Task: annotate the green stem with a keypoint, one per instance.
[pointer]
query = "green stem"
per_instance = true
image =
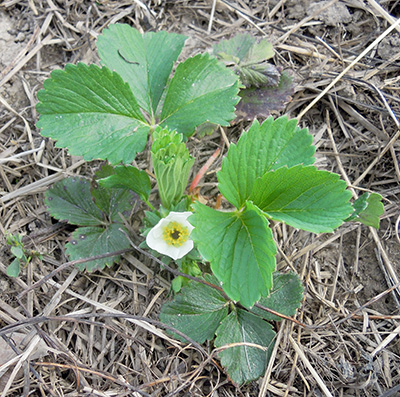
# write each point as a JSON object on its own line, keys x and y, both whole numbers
{"x": 150, "y": 205}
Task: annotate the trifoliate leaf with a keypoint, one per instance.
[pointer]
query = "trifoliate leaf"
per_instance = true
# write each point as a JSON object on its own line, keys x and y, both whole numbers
{"x": 128, "y": 177}
{"x": 143, "y": 61}
{"x": 197, "y": 311}
{"x": 86, "y": 242}
{"x": 245, "y": 363}
{"x": 285, "y": 297}
{"x": 71, "y": 200}
{"x": 240, "y": 249}
{"x": 303, "y": 197}
{"x": 249, "y": 60}
{"x": 260, "y": 102}
{"x": 92, "y": 112}
{"x": 265, "y": 147}
{"x": 201, "y": 90}
{"x": 367, "y": 210}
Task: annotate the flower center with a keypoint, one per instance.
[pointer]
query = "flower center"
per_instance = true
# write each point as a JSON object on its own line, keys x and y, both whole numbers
{"x": 175, "y": 234}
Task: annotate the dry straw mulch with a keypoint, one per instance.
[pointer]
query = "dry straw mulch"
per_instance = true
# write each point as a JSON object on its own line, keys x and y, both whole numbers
{"x": 97, "y": 334}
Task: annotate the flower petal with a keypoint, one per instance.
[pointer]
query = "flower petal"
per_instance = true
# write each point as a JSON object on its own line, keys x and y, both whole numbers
{"x": 156, "y": 241}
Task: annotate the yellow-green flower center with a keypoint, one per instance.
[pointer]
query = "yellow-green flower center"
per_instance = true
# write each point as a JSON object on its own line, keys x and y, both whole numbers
{"x": 175, "y": 234}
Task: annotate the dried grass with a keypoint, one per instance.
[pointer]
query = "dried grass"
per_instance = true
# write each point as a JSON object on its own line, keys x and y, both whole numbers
{"x": 101, "y": 329}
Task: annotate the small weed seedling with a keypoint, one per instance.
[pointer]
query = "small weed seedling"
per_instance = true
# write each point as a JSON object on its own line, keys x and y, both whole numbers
{"x": 109, "y": 112}
{"x": 22, "y": 255}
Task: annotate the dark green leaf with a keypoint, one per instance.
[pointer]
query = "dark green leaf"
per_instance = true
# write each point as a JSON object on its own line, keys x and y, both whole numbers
{"x": 196, "y": 311}
{"x": 143, "y": 61}
{"x": 87, "y": 242}
{"x": 240, "y": 249}
{"x": 93, "y": 113}
{"x": 129, "y": 177}
{"x": 71, "y": 200}
{"x": 303, "y": 197}
{"x": 201, "y": 90}
{"x": 265, "y": 147}
{"x": 285, "y": 297}
{"x": 245, "y": 363}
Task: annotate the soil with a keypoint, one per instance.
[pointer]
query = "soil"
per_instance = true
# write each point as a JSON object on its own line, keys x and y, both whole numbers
{"x": 350, "y": 345}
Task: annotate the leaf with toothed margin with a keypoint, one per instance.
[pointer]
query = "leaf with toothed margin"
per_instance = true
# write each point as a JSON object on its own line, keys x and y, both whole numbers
{"x": 71, "y": 200}
{"x": 367, "y": 210}
{"x": 98, "y": 209}
{"x": 92, "y": 112}
{"x": 196, "y": 311}
{"x": 201, "y": 90}
{"x": 244, "y": 363}
{"x": 143, "y": 61}
{"x": 239, "y": 247}
{"x": 86, "y": 242}
{"x": 264, "y": 147}
{"x": 285, "y": 297}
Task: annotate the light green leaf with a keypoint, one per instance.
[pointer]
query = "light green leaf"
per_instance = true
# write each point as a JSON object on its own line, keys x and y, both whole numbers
{"x": 201, "y": 90}
{"x": 367, "y": 210}
{"x": 265, "y": 147}
{"x": 303, "y": 197}
{"x": 93, "y": 113}
{"x": 86, "y": 242}
{"x": 258, "y": 53}
{"x": 71, "y": 200}
{"x": 240, "y": 249}
{"x": 14, "y": 268}
{"x": 17, "y": 251}
{"x": 285, "y": 297}
{"x": 143, "y": 61}
{"x": 245, "y": 363}
{"x": 128, "y": 177}
{"x": 196, "y": 311}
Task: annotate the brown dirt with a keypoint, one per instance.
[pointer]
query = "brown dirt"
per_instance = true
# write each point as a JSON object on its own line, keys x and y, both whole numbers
{"x": 345, "y": 273}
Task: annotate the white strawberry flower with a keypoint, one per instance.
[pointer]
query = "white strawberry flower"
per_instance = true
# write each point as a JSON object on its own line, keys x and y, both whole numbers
{"x": 171, "y": 235}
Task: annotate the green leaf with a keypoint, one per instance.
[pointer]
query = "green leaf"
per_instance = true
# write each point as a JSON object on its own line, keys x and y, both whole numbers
{"x": 71, "y": 200}
{"x": 285, "y": 297}
{"x": 196, "y": 311}
{"x": 86, "y": 242}
{"x": 262, "y": 101}
{"x": 240, "y": 249}
{"x": 303, "y": 197}
{"x": 201, "y": 90}
{"x": 265, "y": 147}
{"x": 17, "y": 251}
{"x": 245, "y": 363}
{"x": 249, "y": 59}
{"x": 237, "y": 47}
{"x": 143, "y": 61}
{"x": 93, "y": 113}
{"x": 259, "y": 52}
{"x": 367, "y": 210}
{"x": 14, "y": 268}
{"x": 129, "y": 177}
